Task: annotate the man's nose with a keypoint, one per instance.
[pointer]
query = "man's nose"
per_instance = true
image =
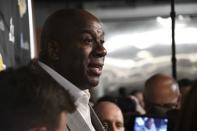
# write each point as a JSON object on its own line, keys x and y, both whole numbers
{"x": 100, "y": 50}
{"x": 114, "y": 128}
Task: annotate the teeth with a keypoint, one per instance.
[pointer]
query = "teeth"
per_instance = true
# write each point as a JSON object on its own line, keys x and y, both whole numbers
{"x": 95, "y": 68}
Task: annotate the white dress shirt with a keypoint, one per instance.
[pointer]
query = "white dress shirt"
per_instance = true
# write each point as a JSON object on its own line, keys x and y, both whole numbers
{"x": 81, "y": 97}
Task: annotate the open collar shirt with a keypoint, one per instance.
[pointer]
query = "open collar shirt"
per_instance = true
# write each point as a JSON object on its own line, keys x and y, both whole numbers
{"x": 81, "y": 97}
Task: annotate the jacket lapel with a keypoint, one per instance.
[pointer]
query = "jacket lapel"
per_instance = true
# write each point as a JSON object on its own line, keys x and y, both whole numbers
{"x": 95, "y": 120}
{"x": 76, "y": 122}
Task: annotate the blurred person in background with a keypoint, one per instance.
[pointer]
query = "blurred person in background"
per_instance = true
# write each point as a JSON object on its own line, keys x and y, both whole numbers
{"x": 185, "y": 85}
{"x": 161, "y": 94}
{"x": 162, "y": 97}
{"x": 110, "y": 115}
{"x": 130, "y": 107}
{"x": 187, "y": 116}
{"x": 139, "y": 95}
{"x": 32, "y": 101}
{"x": 122, "y": 92}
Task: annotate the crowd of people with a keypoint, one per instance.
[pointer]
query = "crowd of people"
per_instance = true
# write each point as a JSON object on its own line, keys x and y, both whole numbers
{"x": 51, "y": 93}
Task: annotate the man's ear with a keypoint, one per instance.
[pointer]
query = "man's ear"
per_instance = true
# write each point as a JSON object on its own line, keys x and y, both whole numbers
{"x": 38, "y": 129}
{"x": 53, "y": 50}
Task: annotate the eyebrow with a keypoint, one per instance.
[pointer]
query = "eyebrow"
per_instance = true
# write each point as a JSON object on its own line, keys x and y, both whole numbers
{"x": 85, "y": 30}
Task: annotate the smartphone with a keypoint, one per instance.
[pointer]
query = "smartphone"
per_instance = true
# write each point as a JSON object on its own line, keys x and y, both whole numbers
{"x": 150, "y": 123}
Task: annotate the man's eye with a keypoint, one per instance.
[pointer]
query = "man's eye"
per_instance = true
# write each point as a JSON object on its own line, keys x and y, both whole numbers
{"x": 88, "y": 40}
{"x": 119, "y": 125}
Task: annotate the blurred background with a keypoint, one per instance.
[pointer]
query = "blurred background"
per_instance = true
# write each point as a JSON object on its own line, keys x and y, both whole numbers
{"x": 138, "y": 37}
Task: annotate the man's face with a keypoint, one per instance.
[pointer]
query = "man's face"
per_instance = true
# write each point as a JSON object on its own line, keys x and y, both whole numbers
{"x": 110, "y": 115}
{"x": 82, "y": 59}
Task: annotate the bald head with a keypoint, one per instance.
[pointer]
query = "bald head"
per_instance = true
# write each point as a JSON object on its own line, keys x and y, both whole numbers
{"x": 161, "y": 89}
{"x": 111, "y": 115}
{"x": 62, "y": 25}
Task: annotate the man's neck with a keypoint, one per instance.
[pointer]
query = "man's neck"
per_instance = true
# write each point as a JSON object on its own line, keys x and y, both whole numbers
{"x": 75, "y": 91}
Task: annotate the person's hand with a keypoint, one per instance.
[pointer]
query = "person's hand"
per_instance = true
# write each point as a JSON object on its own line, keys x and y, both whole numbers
{"x": 139, "y": 108}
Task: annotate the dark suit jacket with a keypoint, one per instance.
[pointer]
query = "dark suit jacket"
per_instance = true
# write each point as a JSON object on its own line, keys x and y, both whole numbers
{"x": 75, "y": 120}
{"x": 77, "y": 123}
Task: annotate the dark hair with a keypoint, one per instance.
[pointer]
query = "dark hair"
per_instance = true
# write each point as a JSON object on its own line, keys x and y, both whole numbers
{"x": 107, "y": 98}
{"x": 185, "y": 82}
{"x": 187, "y": 118}
{"x": 30, "y": 98}
{"x": 136, "y": 91}
{"x": 126, "y": 104}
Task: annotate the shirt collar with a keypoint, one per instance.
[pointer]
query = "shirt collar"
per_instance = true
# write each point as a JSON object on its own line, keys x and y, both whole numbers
{"x": 73, "y": 90}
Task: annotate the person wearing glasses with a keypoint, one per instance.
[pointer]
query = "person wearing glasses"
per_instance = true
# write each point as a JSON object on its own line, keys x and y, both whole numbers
{"x": 161, "y": 94}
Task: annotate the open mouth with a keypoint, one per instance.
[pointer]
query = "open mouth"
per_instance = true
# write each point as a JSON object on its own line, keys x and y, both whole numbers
{"x": 95, "y": 69}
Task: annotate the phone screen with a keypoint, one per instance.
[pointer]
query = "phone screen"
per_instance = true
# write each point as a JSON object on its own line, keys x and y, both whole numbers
{"x": 149, "y": 123}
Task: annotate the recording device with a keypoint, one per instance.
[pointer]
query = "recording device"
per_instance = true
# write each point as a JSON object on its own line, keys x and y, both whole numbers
{"x": 150, "y": 123}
